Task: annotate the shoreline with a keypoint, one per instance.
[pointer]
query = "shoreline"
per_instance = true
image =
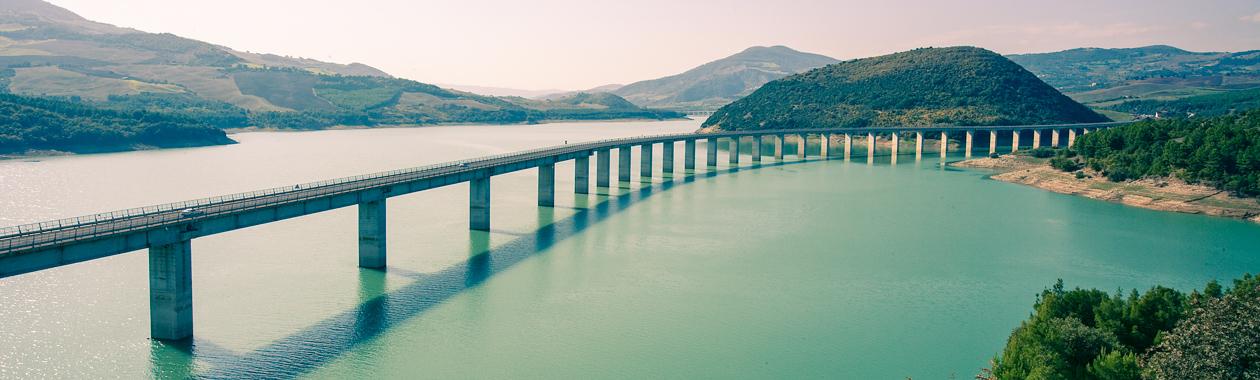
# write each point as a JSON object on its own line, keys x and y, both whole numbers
{"x": 1161, "y": 194}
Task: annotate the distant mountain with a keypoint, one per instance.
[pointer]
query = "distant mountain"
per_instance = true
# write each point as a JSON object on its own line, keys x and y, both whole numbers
{"x": 501, "y": 91}
{"x": 48, "y": 51}
{"x": 1214, "y": 104}
{"x": 956, "y": 85}
{"x": 1087, "y": 69}
{"x": 720, "y": 82}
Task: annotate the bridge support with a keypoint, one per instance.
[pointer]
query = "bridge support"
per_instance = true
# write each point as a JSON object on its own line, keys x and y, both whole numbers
{"x": 732, "y": 150}
{"x": 944, "y": 144}
{"x": 479, "y": 203}
{"x": 372, "y": 234}
{"x": 918, "y": 146}
{"x": 1036, "y": 138}
{"x": 645, "y": 162}
{"x": 623, "y": 164}
{"x": 870, "y": 147}
{"x": 603, "y": 164}
{"x": 848, "y": 146}
{"x": 896, "y": 140}
{"x": 1014, "y": 141}
{"x": 170, "y": 291}
{"x": 547, "y": 185}
{"x": 582, "y": 175}
{"x": 778, "y": 147}
{"x": 756, "y": 149}
{"x": 689, "y": 155}
{"x": 667, "y": 158}
{"x": 970, "y": 138}
{"x": 1071, "y": 137}
{"x": 824, "y": 146}
{"x": 1054, "y": 138}
{"x": 993, "y": 142}
{"x": 801, "y": 142}
{"x": 710, "y": 153}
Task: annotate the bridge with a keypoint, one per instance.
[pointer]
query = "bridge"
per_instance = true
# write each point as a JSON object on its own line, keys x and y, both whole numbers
{"x": 167, "y": 230}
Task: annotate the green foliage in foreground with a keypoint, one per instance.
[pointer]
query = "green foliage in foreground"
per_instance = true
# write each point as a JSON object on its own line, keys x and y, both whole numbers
{"x": 1220, "y": 151}
{"x": 1159, "y": 334}
{"x": 49, "y": 124}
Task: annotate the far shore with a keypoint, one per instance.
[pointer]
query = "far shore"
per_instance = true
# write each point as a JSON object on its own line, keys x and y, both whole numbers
{"x": 1164, "y": 194}
{"x": 392, "y": 126}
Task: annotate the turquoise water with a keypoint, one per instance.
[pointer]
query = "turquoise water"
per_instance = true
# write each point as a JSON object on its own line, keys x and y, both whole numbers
{"x": 802, "y": 269}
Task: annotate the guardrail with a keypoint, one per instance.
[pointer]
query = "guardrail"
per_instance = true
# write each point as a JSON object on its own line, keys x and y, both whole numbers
{"x": 55, "y": 231}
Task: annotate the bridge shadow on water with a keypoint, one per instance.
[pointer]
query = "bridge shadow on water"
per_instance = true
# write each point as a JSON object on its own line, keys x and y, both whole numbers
{"x": 308, "y": 349}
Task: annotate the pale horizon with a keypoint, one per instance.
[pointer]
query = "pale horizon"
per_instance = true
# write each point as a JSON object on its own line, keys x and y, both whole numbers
{"x": 574, "y": 45}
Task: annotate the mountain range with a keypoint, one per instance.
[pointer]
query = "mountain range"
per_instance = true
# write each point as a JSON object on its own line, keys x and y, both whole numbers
{"x": 956, "y": 85}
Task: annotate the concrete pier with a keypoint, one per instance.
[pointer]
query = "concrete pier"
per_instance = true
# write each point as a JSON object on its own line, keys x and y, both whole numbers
{"x": 870, "y": 147}
{"x": 824, "y": 146}
{"x": 479, "y": 203}
{"x": 967, "y": 149}
{"x": 667, "y": 158}
{"x": 992, "y": 142}
{"x": 170, "y": 290}
{"x": 372, "y": 234}
{"x": 918, "y": 146}
{"x": 756, "y": 149}
{"x": 896, "y": 143}
{"x": 689, "y": 155}
{"x": 646, "y": 151}
{"x": 710, "y": 153}
{"x": 778, "y": 147}
{"x": 623, "y": 164}
{"x": 848, "y": 146}
{"x": 582, "y": 175}
{"x": 801, "y": 141}
{"x": 1071, "y": 137}
{"x": 547, "y": 185}
{"x": 1014, "y": 141}
{"x": 603, "y": 164}
{"x": 944, "y": 144}
{"x": 1054, "y": 138}
{"x": 1036, "y": 138}
{"x": 732, "y": 151}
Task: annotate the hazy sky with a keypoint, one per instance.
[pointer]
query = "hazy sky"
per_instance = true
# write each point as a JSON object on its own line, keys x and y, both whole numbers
{"x": 577, "y": 44}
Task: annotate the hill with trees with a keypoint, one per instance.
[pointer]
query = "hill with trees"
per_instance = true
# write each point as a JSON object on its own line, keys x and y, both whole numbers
{"x": 48, "y": 124}
{"x": 720, "y": 82}
{"x": 1214, "y": 104}
{"x": 956, "y": 85}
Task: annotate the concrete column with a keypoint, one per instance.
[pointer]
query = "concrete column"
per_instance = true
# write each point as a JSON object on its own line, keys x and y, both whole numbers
{"x": 918, "y": 146}
{"x": 623, "y": 164}
{"x": 1014, "y": 141}
{"x": 1084, "y": 131}
{"x": 646, "y": 152}
{"x": 603, "y": 162}
{"x": 870, "y": 146}
{"x": 689, "y": 154}
{"x": 582, "y": 175}
{"x": 732, "y": 150}
{"x": 848, "y": 146}
{"x": 547, "y": 185}
{"x": 944, "y": 143}
{"x": 710, "y": 153}
{"x": 970, "y": 137}
{"x": 992, "y": 142}
{"x": 372, "y": 234}
{"x": 896, "y": 140}
{"x": 479, "y": 204}
{"x": 824, "y": 146}
{"x": 778, "y": 147}
{"x": 170, "y": 291}
{"x": 1036, "y": 138}
{"x": 801, "y": 141}
{"x": 667, "y": 157}
{"x": 1071, "y": 137}
{"x": 756, "y": 149}
{"x": 1054, "y": 138}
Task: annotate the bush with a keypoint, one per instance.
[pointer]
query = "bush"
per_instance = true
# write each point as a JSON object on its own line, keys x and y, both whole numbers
{"x": 1042, "y": 152}
{"x": 1220, "y": 340}
{"x": 1065, "y": 164}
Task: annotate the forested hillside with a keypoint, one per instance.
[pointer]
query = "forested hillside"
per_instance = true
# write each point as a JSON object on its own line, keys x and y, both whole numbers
{"x": 48, "y": 124}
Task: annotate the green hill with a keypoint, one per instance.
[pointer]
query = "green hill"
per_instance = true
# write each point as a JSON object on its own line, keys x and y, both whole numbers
{"x": 28, "y": 124}
{"x": 1215, "y": 104}
{"x": 1089, "y": 69}
{"x": 720, "y": 82}
{"x": 956, "y": 85}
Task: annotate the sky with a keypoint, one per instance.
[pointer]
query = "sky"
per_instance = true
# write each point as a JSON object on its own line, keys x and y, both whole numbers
{"x": 579, "y": 44}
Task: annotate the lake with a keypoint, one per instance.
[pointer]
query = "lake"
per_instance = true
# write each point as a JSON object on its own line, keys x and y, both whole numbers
{"x": 816, "y": 269}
